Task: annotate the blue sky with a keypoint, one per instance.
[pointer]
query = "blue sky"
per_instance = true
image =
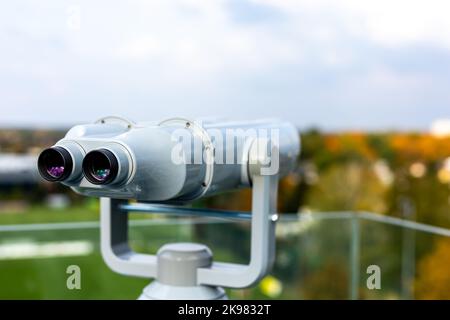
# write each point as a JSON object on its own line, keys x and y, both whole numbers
{"x": 333, "y": 64}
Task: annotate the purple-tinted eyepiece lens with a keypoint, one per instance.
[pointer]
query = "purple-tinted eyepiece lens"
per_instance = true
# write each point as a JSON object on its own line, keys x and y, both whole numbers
{"x": 56, "y": 172}
{"x": 55, "y": 164}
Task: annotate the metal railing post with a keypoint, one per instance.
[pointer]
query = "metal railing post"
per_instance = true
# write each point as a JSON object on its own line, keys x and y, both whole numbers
{"x": 354, "y": 258}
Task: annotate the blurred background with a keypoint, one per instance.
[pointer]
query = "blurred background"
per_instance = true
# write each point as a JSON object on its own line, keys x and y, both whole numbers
{"x": 365, "y": 82}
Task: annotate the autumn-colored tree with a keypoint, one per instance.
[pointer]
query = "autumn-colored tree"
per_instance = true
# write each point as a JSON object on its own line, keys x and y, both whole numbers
{"x": 330, "y": 282}
{"x": 433, "y": 281}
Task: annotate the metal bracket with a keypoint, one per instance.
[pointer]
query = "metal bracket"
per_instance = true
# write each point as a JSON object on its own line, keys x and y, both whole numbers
{"x": 120, "y": 258}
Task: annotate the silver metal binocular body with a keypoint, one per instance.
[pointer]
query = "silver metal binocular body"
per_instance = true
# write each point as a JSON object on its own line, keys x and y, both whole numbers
{"x": 172, "y": 161}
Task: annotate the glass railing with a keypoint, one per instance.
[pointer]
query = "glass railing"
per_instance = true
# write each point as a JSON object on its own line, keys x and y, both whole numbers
{"x": 319, "y": 256}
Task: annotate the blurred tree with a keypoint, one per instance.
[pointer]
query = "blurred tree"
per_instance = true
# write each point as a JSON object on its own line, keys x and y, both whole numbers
{"x": 433, "y": 280}
{"x": 349, "y": 186}
{"x": 330, "y": 282}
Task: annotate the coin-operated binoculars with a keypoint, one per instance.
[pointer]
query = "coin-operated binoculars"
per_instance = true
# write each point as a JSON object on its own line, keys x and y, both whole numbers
{"x": 164, "y": 165}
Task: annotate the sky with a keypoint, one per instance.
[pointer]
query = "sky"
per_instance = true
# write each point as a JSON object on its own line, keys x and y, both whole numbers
{"x": 331, "y": 64}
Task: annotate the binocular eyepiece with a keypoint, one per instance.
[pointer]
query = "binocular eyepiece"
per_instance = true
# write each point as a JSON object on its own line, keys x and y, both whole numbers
{"x": 55, "y": 164}
{"x": 99, "y": 167}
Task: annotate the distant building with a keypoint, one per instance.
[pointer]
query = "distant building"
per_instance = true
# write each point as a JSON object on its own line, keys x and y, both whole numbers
{"x": 440, "y": 128}
{"x": 17, "y": 169}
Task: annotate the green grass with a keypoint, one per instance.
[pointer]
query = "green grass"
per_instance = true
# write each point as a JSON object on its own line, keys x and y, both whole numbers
{"x": 41, "y": 214}
{"x": 45, "y": 278}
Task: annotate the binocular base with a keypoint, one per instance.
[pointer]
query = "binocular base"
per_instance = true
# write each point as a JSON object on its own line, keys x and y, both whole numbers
{"x": 159, "y": 291}
{"x": 177, "y": 274}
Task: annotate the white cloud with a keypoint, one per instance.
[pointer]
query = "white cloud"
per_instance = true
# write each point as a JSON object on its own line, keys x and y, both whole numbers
{"x": 388, "y": 22}
{"x": 200, "y": 37}
{"x": 196, "y": 56}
